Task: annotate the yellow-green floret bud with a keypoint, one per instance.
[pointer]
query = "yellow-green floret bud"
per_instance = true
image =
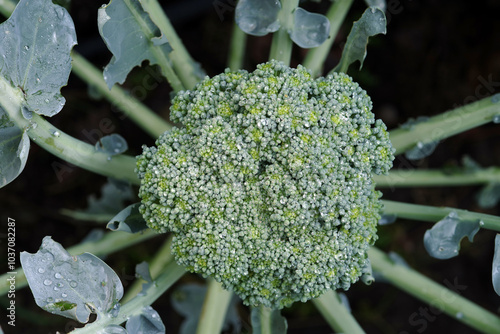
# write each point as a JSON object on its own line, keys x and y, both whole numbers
{"x": 268, "y": 186}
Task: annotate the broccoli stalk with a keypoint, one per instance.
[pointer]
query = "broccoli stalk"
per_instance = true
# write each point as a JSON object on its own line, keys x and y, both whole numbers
{"x": 268, "y": 186}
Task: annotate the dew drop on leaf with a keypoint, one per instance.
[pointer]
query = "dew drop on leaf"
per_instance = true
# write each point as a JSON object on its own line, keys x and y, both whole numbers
{"x": 257, "y": 17}
{"x": 310, "y": 29}
{"x": 47, "y": 282}
{"x": 496, "y": 119}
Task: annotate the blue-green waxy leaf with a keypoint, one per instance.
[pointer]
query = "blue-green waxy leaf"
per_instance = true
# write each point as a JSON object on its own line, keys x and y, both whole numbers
{"x": 148, "y": 322}
{"x": 128, "y": 220}
{"x": 377, "y": 3}
{"x": 14, "y": 148}
{"x": 489, "y": 196}
{"x": 495, "y": 273}
{"x": 258, "y": 17}
{"x": 442, "y": 241}
{"x": 113, "y": 329}
{"x": 113, "y": 144}
{"x": 371, "y": 23}
{"x": 131, "y": 37}
{"x": 71, "y": 286}
{"x": 277, "y": 323}
{"x": 35, "y": 44}
{"x": 310, "y": 29}
{"x": 421, "y": 150}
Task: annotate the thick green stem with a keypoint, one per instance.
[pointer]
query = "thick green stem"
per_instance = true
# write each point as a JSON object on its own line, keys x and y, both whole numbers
{"x": 237, "y": 48}
{"x": 162, "y": 257}
{"x": 214, "y": 309}
{"x": 281, "y": 47}
{"x": 446, "y": 124}
{"x": 339, "y": 318}
{"x": 434, "y": 214}
{"x": 183, "y": 64}
{"x": 147, "y": 119}
{"x": 439, "y": 297}
{"x": 108, "y": 244}
{"x": 62, "y": 145}
{"x": 316, "y": 57}
{"x": 171, "y": 273}
{"x": 436, "y": 178}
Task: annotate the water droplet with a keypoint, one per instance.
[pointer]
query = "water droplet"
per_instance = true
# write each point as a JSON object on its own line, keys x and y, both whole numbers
{"x": 64, "y": 295}
{"x": 421, "y": 150}
{"x": 40, "y": 19}
{"x": 47, "y": 282}
{"x": 73, "y": 284}
{"x": 459, "y": 315}
{"x": 115, "y": 310}
{"x": 481, "y": 223}
{"x": 310, "y": 29}
{"x": 37, "y": 80}
{"x": 496, "y": 119}
{"x": 56, "y": 133}
{"x": 59, "y": 12}
{"x": 46, "y": 100}
{"x": 26, "y": 47}
{"x": 58, "y": 276}
{"x": 41, "y": 270}
{"x": 50, "y": 300}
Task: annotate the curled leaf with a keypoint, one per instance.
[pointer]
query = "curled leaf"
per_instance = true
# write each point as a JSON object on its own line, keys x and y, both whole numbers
{"x": 310, "y": 29}
{"x": 442, "y": 241}
{"x": 258, "y": 17}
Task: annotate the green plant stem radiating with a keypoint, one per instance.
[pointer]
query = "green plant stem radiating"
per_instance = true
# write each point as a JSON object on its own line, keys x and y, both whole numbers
{"x": 316, "y": 57}
{"x": 162, "y": 257}
{"x": 170, "y": 274}
{"x": 150, "y": 122}
{"x": 108, "y": 244}
{"x": 339, "y": 318}
{"x": 434, "y": 214}
{"x": 441, "y": 298}
{"x": 281, "y": 47}
{"x": 237, "y": 48}
{"x": 214, "y": 308}
{"x": 436, "y": 178}
{"x": 446, "y": 124}
{"x": 182, "y": 62}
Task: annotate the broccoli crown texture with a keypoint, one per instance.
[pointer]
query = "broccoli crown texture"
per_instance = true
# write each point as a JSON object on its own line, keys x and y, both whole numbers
{"x": 268, "y": 186}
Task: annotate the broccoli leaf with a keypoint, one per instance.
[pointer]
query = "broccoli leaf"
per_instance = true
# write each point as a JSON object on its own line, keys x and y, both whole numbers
{"x": 495, "y": 273}
{"x": 35, "y": 46}
{"x": 14, "y": 148}
{"x": 131, "y": 36}
{"x": 70, "y": 286}
{"x": 310, "y": 29}
{"x": 257, "y": 17}
{"x": 372, "y": 23}
{"x": 489, "y": 195}
{"x": 277, "y": 322}
{"x": 442, "y": 241}
{"x": 113, "y": 329}
{"x": 128, "y": 220}
{"x": 113, "y": 196}
{"x": 148, "y": 322}
{"x": 376, "y": 3}
{"x": 113, "y": 144}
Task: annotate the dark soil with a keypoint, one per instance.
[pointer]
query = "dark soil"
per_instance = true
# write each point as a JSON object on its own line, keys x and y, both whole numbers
{"x": 437, "y": 55}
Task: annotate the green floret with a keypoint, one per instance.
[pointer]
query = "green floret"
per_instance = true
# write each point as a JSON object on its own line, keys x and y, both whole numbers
{"x": 268, "y": 186}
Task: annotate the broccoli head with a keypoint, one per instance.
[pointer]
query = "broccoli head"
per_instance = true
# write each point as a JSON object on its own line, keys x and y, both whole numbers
{"x": 268, "y": 186}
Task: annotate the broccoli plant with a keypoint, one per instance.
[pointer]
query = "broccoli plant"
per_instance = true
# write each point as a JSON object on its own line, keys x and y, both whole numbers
{"x": 266, "y": 189}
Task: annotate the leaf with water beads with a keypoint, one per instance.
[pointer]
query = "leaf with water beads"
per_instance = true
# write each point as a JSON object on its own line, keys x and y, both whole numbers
{"x": 258, "y": 17}
{"x": 442, "y": 241}
{"x": 495, "y": 273}
{"x": 36, "y": 42}
{"x": 70, "y": 286}
{"x": 310, "y": 29}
